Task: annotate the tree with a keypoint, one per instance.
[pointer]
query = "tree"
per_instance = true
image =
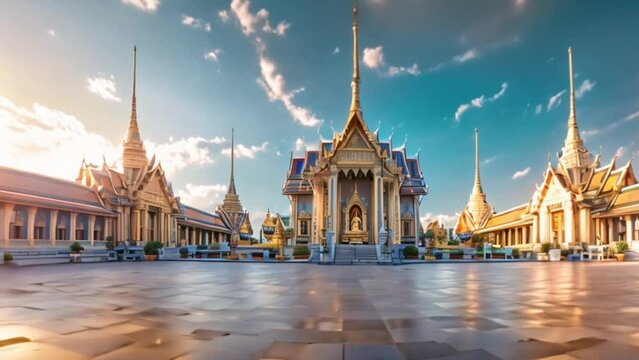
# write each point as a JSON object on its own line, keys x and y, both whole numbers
{"x": 430, "y": 234}
{"x": 289, "y": 233}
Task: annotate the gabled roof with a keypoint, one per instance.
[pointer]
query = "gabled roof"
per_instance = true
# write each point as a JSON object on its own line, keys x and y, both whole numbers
{"x": 507, "y": 217}
{"x": 202, "y": 219}
{"x": 26, "y": 188}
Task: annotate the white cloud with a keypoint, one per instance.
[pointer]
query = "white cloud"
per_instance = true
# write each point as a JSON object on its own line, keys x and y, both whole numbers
{"x": 271, "y": 80}
{"x": 223, "y": 15}
{"x": 521, "y": 173}
{"x": 246, "y": 151}
{"x": 48, "y": 141}
{"x": 336, "y": 51}
{"x": 620, "y": 152}
{"x": 585, "y": 87}
{"x": 104, "y": 87}
{"x": 177, "y": 155}
{"x": 144, "y": 5}
{"x": 633, "y": 116}
{"x": 590, "y": 133}
{"x": 213, "y": 55}
{"x": 467, "y": 56}
{"x": 205, "y": 197}
{"x": 480, "y": 102}
{"x": 489, "y": 160}
{"x": 196, "y": 23}
{"x": 538, "y": 109}
{"x": 555, "y": 100}
{"x": 519, "y": 4}
{"x": 51, "y": 142}
{"x": 374, "y": 57}
{"x": 412, "y": 70}
{"x": 250, "y": 22}
{"x": 51, "y": 32}
{"x": 447, "y": 220}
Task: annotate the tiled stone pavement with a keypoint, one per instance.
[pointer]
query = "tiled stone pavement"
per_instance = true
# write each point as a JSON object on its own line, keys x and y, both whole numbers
{"x": 186, "y": 310}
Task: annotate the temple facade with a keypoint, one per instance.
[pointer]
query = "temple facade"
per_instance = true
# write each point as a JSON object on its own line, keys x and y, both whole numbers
{"x": 356, "y": 188}
{"x": 135, "y": 204}
{"x": 579, "y": 200}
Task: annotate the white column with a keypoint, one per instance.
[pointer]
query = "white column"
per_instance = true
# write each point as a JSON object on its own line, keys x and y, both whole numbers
{"x": 535, "y": 230}
{"x": 53, "y": 225}
{"x": 611, "y": 230}
{"x": 416, "y": 218}
{"x": 73, "y": 217}
{"x": 629, "y": 230}
{"x": 30, "y": 224}
{"x": 6, "y": 223}
{"x": 544, "y": 225}
{"x": 192, "y": 237}
{"x": 91, "y": 229}
{"x": 569, "y": 224}
{"x": 524, "y": 235}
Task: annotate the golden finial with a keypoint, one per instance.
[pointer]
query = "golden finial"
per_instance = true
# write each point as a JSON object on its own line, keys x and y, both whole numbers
{"x": 355, "y": 104}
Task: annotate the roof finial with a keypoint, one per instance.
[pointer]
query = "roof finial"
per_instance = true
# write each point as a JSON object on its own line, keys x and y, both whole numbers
{"x": 134, "y": 115}
{"x": 477, "y": 188}
{"x": 355, "y": 104}
{"x": 572, "y": 120}
{"x": 232, "y": 182}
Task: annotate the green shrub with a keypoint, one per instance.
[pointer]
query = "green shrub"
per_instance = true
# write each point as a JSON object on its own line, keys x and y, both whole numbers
{"x": 76, "y": 247}
{"x": 8, "y": 257}
{"x": 621, "y": 247}
{"x": 214, "y": 246}
{"x": 516, "y": 253}
{"x": 109, "y": 244}
{"x": 202, "y": 247}
{"x": 545, "y": 247}
{"x": 184, "y": 252}
{"x": 411, "y": 250}
{"x": 152, "y": 247}
{"x": 453, "y": 242}
{"x": 301, "y": 250}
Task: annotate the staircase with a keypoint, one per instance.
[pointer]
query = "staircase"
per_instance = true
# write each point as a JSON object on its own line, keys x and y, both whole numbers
{"x": 355, "y": 254}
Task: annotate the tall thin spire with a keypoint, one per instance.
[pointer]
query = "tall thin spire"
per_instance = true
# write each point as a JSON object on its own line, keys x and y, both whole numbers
{"x": 477, "y": 186}
{"x": 232, "y": 182}
{"x": 134, "y": 155}
{"x": 134, "y": 114}
{"x": 355, "y": 104}
{"x": 573, "y": 130}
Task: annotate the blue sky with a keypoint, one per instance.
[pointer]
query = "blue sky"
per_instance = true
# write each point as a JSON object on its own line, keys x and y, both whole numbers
{"x": 274, "y": 74}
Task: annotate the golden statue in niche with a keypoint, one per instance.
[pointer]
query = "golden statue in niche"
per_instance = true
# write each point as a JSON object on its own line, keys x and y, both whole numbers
{"x": 356, "y": 220}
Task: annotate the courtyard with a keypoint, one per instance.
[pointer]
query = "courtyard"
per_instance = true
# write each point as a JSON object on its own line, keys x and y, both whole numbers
{"x": 188, "y": 310}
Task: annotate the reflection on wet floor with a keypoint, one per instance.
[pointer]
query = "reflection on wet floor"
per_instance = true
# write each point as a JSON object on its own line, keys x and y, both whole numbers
{"x": 182, "y": 310}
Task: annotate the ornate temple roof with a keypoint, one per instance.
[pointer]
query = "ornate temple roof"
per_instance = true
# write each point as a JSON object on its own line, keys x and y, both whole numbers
{"x": 202, "y": 219}
{"x": 297, "y": 182}
{"x": 26, "y": 188}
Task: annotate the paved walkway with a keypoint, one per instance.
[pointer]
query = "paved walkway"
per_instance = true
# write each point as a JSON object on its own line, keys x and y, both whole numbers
{"x": 177, "y": 310}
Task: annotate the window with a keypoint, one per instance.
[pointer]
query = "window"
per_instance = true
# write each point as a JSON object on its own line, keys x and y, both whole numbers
{"x": 304, "y": 227}
{"x": 17, "y": 232}
{"x": 406, "y": 227}
{"x": 61, "y": 234}
{"x": 79, "y": 234}
{"x": 38, "y": 232}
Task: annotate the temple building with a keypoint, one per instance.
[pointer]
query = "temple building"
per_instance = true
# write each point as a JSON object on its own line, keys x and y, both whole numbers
{"x": 233, "y": 215}
{"x": 273, "y": 228}
{"x": 579, "y": 201}
{"x": 356, "y": 188}
{"x": 136, "y": 204}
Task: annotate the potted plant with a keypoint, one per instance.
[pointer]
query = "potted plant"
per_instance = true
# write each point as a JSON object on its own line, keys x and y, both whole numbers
{"x": 76, "y": 251}
{"x": 301, "y": 252}
{"x": 554, "y": 254}
{"x": 543, "y": 255}
{"x": 184, "y": 252}
{"x": 411, "y": 252}
{"x": 7, "y": 258}
{"x": 620, "y": 250}
{"x": 151, "y": 250}
{"x": 198, "y": 249}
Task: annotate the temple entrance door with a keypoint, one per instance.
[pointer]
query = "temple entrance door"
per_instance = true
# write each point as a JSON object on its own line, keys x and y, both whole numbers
{"x": 558, "y": 228}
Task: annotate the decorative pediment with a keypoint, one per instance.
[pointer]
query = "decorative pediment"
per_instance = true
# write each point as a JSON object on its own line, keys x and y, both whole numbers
{"x": 356, "y": 141}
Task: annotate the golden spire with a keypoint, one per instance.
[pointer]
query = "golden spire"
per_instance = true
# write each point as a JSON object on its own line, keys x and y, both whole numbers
{"x": 355, "y": 104}
{"x": 477, "y": 186}
{"x": 573, "y": 130}
{"x": 133, "y": 134}
{"x": 232, "y": 182}
{"x": 134, "y": 154}
{"x": 232, "y": 202}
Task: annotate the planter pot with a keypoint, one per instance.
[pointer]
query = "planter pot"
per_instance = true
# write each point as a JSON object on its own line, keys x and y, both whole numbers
{"x": 233, "y": 257}
{"x": 301, "y": 257}
{"x": 184, "y": 256}
{"x": 150, "y": 257}
{"x": 620, "y": 257}
{"x": 429, "y": 258}
{"x": 554, "y": 254}
{"x": 542, "y": 257}
{"x": 280, "y": 258}
{"x": 75, "y": 257}
{"x": 411, "y": 257}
